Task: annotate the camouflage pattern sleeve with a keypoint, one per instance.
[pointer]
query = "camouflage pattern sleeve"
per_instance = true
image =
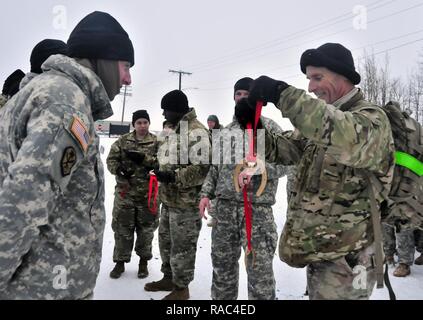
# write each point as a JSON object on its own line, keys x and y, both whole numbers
{"x": 39, "y": 173}
{"x": 114, "y": 158}
{"x": 358, "y": 138}
{"x": 150, "y": 160}
{"x": 191, "y": 175}
{"x": 209, "y": 185}
{"x": 281, "y": 149}
{"x": 196, "y": 171}
{"x": 275, "y": 171}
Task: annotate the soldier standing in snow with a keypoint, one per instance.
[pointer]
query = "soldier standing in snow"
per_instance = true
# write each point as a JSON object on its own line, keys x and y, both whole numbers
{"x": 180, "y": 184}
{"x": 131, "y": 158}
{"x": 229, "y": 231}
{"x": 344, "y": 137}
{"x": 51, "y": 175}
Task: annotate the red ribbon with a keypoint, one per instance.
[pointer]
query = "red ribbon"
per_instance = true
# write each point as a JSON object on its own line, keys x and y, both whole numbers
{"x": 248, "y": 209}
{"x": 153, "y": 188}
{"x": 248, "y": 212}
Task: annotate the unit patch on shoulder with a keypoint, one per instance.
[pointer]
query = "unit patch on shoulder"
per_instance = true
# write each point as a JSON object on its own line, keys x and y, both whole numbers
{"x": 80, "y": 132}
{"x": 68, "y": 161}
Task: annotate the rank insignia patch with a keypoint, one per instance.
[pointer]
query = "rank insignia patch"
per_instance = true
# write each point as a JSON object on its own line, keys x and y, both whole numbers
{"x": 80, "y": 132}
{"x": 68, "y": 161}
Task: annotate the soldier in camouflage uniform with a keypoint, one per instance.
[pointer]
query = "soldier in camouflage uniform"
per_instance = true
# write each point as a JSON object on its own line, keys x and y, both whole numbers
{"x": 180, "y": 180}
{"x": 344, "y": 138}
{"x": 11, "y": 86}
{"x": 401, "y": 241}
{"x": 241, "y": 88}
{"x": 51, "y": 176}
{"x": 131, "y": 158}
{"x": 40, "y": 54}
{"x": 229, "y": 232}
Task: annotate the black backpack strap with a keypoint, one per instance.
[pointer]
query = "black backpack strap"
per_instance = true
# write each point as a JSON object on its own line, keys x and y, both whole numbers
{"x": 377, "y": 231}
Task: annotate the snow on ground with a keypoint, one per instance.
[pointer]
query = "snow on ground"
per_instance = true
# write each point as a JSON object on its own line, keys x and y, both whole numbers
{"x": 290, "y": 282}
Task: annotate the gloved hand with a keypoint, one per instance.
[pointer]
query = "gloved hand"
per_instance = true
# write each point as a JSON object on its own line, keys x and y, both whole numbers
{"x": 136, "y": 156}
{"x": 266, "y": 89}
{"x": 245, "y": 113}
{"x": 123, "y": 172}
{"x": 165, "y": 176}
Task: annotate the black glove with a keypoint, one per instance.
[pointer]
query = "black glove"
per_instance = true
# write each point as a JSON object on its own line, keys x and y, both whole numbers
{"x": 245, "y": 113}
{"x": 265, "y": 89}
{"x": 165, "y": 176}
{"x": 135, "y": 156}
{"x": 123, "y": 172}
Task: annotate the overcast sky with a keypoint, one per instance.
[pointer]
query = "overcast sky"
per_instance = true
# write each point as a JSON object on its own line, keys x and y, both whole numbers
{"x": 219, "y": 42}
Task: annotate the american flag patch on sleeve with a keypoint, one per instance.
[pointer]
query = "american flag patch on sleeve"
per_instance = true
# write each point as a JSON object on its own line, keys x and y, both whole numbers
{"x": 80, "y": 132}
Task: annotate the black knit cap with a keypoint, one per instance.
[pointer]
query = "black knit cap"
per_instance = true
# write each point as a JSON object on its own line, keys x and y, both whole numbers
{"x": 11, "y": 84}
{"x": 243, "y": 84}
{"x": 138, "y": 115}
{"x": 213, "y": 117}
{"x": 175, "y": 101}
{"x": 333, "y": 56}
{"x": 100, "y": 36}
{"x": 45, "y": 49}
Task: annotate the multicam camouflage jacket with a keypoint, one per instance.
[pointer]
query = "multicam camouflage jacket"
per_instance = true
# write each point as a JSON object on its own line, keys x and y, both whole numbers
{"x": 329, "y": 210}
{"x": 52, "y": 213}
{"x": 136, "y": 186}
{"x": 220, "y": 179}
{"x": 186, "y": 151}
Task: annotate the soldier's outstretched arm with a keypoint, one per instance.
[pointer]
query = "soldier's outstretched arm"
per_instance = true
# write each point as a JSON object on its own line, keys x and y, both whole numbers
{"x": 359, "y": 139}
{"x": 281, "y": 149}
{"x": 38, "y": 175}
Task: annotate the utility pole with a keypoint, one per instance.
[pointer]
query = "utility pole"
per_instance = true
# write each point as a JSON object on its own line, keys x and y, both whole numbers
{"x": 180, "y": 76}
{"x": 127, "y": 92}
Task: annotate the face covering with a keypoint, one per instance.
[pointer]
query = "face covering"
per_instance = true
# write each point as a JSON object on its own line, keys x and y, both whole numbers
{"x": 107, "y": 71}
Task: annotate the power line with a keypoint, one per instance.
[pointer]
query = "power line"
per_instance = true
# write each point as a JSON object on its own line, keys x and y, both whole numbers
{"x": 180, "y": 76}
{"x": 360, "y": 58}
{"x": 295, "y": 35}
{"x": 278, "y": 51}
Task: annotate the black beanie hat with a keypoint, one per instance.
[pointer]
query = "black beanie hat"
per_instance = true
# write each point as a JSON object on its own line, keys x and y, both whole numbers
{"x": 100, "y": 36}
{"x": 333, "y": 56}
{"x": 175, "y": 101}
{"x": 45, "y": 49}
{"x": 214, "y": 118}
{"x": 11, "y": 84}
{"x": 243, "y": 84}
{"x": 138, "y": 115}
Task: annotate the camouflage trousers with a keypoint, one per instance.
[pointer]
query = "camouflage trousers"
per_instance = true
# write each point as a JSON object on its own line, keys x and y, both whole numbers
{"x": 178, "y": 235}
{"x": 351, "y": 277}
{"x": 402, "y": 243}
{"x": 129, "y": 217}
{"x": 228, "y": 237}
{"x": 418, "y": 238}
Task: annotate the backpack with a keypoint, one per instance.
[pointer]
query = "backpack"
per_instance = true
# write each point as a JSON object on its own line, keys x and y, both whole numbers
{"x": 405, "y": 203}
{"x": 403, "y": 207}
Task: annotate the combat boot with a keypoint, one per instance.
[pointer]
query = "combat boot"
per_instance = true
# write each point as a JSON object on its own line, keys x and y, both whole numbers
{"x": 419, "y": 260}
{"x": 178, "y": 294}
{"x": 164, "y": 284}
{"x": 117, "y": 270}
{"x": 142, "y": 269}
{"x": 402, "y": 270}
